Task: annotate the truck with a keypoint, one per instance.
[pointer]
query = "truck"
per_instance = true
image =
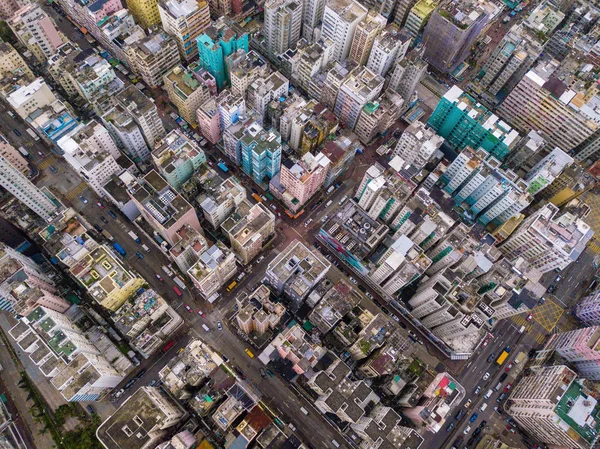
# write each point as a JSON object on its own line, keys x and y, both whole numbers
{"x": 23, "y": 151}
{"x": 521, "y": 356}
{"x": 134, "y": 236}
{"x": 222, "y": 166}
{"x": 33, "y": 135}
{"x": 108, "y": 236}
{"x": 257, "y": 198}
{"x": 177, "y": 291}
{"x": 502, "y": 358}
{"x": 146, "y": 248}
{"x": 179, "y": 282}
{"x": 167, "y": 271}
{"x": 118, "y": 248}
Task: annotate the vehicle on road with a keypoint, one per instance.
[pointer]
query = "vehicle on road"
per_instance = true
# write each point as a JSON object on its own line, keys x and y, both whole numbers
{"x": 119, "y": 393}
{"x": 23, "y": 151}
{"x": 100, "y": 205}
{"x": 522, "y": 329}
{"x": 219, "y": 326}
{"x": 558, "y": 278}
{"x": 467, "y": 430}
{"x": 324, "y": 219}
{"x": 118, "y": 248}
{"x": 529, "y": 317}
{"x": 97, "y": 227}
{"x": 158, "y": 276}
{"x": 491, "y": 357}
{"x": 152, "y": 383}
{"x": 249, "y": 353}
{"x": 112, "y": 215}
{"x": 205, "y": 327}
{"x": 460, "y": 414}
{"x": 507, "y": 387}
{"x": 201, "y": 313}
{"x": 129, "y": 384}
{"x": 168, "y": 346}
{"x": 83, "y": 199}
{"x": 303, "y": 410}
{"x": 177, "y": 291}
{"x": 489, "y": 394}
{"x": 134, "y": 236}
{"x": 473, "y": 417}
{"x": 140, "y": 255}
{"x": 17, "y": 132}
{"x": 263, "y": 373}
{"x": 503, "y": 377}
{"x": 145, "y": 248}
{"x": 107, "y": 235}
{"x": 354, "y": 281}
{"x": 450, "y": 427}
{"x": 187, "y": 307}
{"x": 42, "y": 155}
{"x": 508, "y": 367}
{"x": 270, "y": 373}
{"x": 309, "y": 221}
{"x": 103, "y": 220}
{"x": 179, "y": 282}
{"x": 369, "y": 295}
{"x": 53, "y": 169}
{"x": 551, "y": 289}
{"x": 483, "y": 407}
{"x": 501, "y": 397}
{"x": 468, "y": 403}
{"x": 477, "y": 390}
{"x": 167, "y": 271}
{"x": 498, "y": 386}
{"x": 231, "y": 286}
{"x": 90, "y": 409}
{"x": 502, "y": 358}
{"x": 260, "y": 259}
{"x": 486, "y": 376}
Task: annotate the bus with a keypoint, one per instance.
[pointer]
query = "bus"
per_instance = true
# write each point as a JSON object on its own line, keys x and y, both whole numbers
{"x": 503, "y": 356}
{"x": 169, "y": 346}
{"x": 231, "y": 286}
{"x": 167, "y": 271}
{"x": 177, "y": 291}
{"x": 33, "y": 135}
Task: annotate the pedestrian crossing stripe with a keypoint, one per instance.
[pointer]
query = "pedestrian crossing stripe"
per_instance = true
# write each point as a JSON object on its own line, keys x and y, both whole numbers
{"x": 540, "y": 338}
{"x": 46, "y": 162}
{"x": 76, "y": 191}
{"x": 594, "y": 247}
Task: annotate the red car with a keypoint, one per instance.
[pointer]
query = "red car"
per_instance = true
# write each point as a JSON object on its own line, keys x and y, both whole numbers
{"x": 159, "y": 277}
{"x": 508, "y": 367}
{"x": 529, "y": 317}
{"x": 507, "y": 387}
{"x": 201, "y": 313}
{"x": 100, "y": 205}
{"x": 188, "y": 308}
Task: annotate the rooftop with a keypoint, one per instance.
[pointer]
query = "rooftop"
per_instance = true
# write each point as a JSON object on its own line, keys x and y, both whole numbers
{"x": 580, "y": 411}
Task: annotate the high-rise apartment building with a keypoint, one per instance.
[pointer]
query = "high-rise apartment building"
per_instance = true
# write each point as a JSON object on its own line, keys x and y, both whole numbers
{"x": 12, "y": 64}
{"x": 13, "y": 157}
{"x": 17, "y": 184}
{"x": 298, "y": 181}
{"x": 260, "y": 152}
{"x": 145, "y": 12}
{"x": 144, "y": 113}
{"x": 214, "y": 268}
{"x": 580, "y": 347}
{"x": 417, "y": 144}
{"x": 546, "y": 403}
{"x": 264, "y": 90}
{"x": 248, "y": 230}
{"x": 543, "y": 103}
{"x": 355, "y": 92}
{"x": 217, "y": 42}
{"x": 36, "y": 31}
{"x": 340, "y": 20}
{"x": 153, "y": 57}
{"x": 547, "y": 240}
{"x": 221, "y": 201}
{"x": 282, "y": 25}
{"x": 312, "y": 13}
{"x": 364, "y": 36}
{"x": 185, "y": 20}
{"x": 464, "y": 122}
{"x": 126, "y": 133}
{"x": 452, "y": 29}
{"x": 244, "y": 68}
{"x": 209, "y": 121}
{"x": 402, "y": 10}
{"x": 177, "y": 158}
{"x": 418, "y": 16}
{"x": 547, "y": 170}
{"x": 588, "y": 309}
{"x": 9, "y": 7}
{"x": 185, "y": 92}
{"x": 378, "y": 115}
{"x": 388, "y": 47}
{"x": 406, "y": 76}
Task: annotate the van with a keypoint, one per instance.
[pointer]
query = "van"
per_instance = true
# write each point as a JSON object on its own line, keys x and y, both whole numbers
{"x": 328, "y": 203}
{"x": 206, "y": 328}
{"x": 498, "y": 386}
{"x": 146, "y": 248}
{"x": 344, "y": 198}
{"x": 335, "y": 443}
{"x": 521, "y": 329}
{"x": 483, "y": 407}
{"x": 303, "y": 410}
{"x": 489, "y": 394}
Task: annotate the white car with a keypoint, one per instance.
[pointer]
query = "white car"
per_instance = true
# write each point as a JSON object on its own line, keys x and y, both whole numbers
{"x": 486, "y": 376}
{"x": 309, "y": 221}
{"x": 467, "y": 430}
{"x": 354, "y": 281}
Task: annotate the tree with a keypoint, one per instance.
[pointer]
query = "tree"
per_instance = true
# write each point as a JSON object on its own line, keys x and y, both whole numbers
{"x": 6, "y": 33}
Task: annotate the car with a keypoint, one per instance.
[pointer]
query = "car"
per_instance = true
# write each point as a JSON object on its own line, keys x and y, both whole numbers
{"x": 354, "y": 281}
{"x": 395, "y": 318}
{"x": 141, "y": 373}
{"x": 402, "y": 325}
{"x": 513, "y": 430}
{"x": 260, "y": 259}
{"x": 413, "y": 338}
{"x": 201, "y": 313}
{"x": 477, "y": 390}
{"x": 473, "y": 417}
{"x": 309, "y": 221}
{"x": 272, "y": 206}
{"x": 507, "y": 387}
{"x": 129, "y": 384}
{"x": 152, "y": 383}
{"x": 97, "y": 227}
{"x": 369, "y": 295}
{"x": 83, "y": 199}
{"x": 270, "y": 373}
{"x": 508, "y": 367}
{"x": 420, "y": 342}
{"x": 467, "y": 430}
{"x": 486, "y": 376}
{"x": 219, "y": 326}
{"x": 491, "y": 357}
{"x": 53, "y": 169}
{"x": 483, "y": 424}
{"x": 558, "y": 278}
{"x": 324, "y": 219}
{"x": 485, "y": 343}
{"x": 508, "y": 427}
{"x": 263, "y": 373}
{"x": 188, "y": 308}
{"x": 158, "y": 276}
{"x": 100, "y": 205}
{"x": 450, "y": 427}
{"x": 501, "y": 397}
{"x": 503, "y": 377}
{"x": 542, "y": 300}
{"x": 112, "y": 215}
{"x": 17, "y": 132}
{"x": 551, "y": 289}
{"x": 477, "y": 432}
{"x": 460, "y": 414}
{"x": 498, "y": 410}
{"x": 140, "y": 255}
{"x": 529, "y": 317}
{"x": 362, "y": 289}
{"x": 103, "y": 220}
{"x": 119, "y": 393}
{"x": 468, "y": 403}
{"x": 210, "y": 163}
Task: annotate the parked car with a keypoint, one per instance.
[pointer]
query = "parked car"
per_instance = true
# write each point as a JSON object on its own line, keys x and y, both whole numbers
{"x": 263, "y": 373}
{"x": 158, "y": 276}
{"x": 491, "y": 357}
{"x": 507, "y": 387}
{"x": 477, "y": 390}
{"x": 219, "y": 326}
{"x": 140, "y": 255}
{"x": 529, "y": 317}
{"x": 83, "y": 199}
{"x": 486, "y": 376}
{"x": 460, "y": 414}
{"x": 467, "y": 430}
{"x": 473, "y": 417}
{"x": 468, "y": 403}
{"x": 188, "y": 308}
{"x": 103, "y": 220}
{"x": 100, "y": 205}
{"x": 450, "y": 427}
{"x": 508, "y": 367}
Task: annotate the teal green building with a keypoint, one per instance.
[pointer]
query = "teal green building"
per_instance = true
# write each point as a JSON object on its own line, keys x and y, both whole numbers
{"x": 463, "y": 122}
{"x": 216, "y": 43}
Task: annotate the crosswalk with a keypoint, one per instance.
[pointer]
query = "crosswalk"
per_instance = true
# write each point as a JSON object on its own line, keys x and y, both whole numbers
{"x": 46, "y": 162}
{"x": 540, "y": 339}
{"x": 520, "y": 320}
{"x": 76, "y": 191}
{"x": 595, "y": 247}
